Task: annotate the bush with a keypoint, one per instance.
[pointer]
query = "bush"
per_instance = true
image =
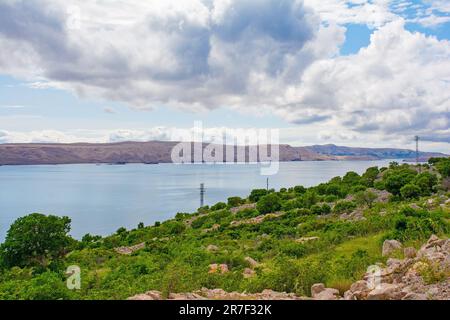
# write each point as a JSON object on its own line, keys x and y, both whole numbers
{"x": 269, "y": 203}
{"x": 256, "y": 194}
{"x": 395, "y": 179}
{"x": 235, "y": 201}
{"x": 47, "y": 286}
{"x": 365, "y": 198}
{"x": 410, "y": 191}
{"x": 218, "y": 206}
{"x": 299, "y": 189}
{"x": 426, "y": 182}
{"x": 344, "y": 207}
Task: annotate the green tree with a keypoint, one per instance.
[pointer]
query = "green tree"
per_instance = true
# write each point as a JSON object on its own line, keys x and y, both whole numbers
{"x": 369, "y": 177}
{"x": 269, "y": 203}
{"x": 256, "y": 194}
{"x": 35, "y": 239}
{"x": 351, "y": 178}
{"x": 219, "y": 206}
{"x": 365, "y": 198}
{"x": 410, "y": 191}
{"x": 235, "y": 201}
{"x": 395, "y": 179}
{"x": 426, "y": 181}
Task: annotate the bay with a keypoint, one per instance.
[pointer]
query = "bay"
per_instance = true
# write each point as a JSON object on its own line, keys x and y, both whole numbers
{"x": 101, "y": 198}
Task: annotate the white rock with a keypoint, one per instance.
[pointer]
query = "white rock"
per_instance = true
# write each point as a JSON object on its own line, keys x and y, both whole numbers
{"x": 415, "y": 296}
{"x": 390, "y": 246}
{"x": 385, "y": 291}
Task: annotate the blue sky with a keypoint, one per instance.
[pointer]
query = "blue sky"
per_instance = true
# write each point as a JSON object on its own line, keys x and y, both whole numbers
{"x": 298, "y": 66}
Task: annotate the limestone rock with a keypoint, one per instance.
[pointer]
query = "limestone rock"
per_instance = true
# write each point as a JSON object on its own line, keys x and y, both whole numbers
{"x": 252, "y": 262}
{"x": 319, "y": 292}
{"x": 389, "y": 246}
{"x": 385, "y": 291}
{"x": 212, "y": 248}
{"x": 415, "y": 296}
{"x": 410, "y": 252}
{"x": 248, "y": 273}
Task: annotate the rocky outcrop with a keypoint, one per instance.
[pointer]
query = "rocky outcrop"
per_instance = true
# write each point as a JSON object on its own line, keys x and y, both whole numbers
{"x": 422, "y": 275}
{"x": 130, "y": 250}
{"x": 219, "y": 294}
{"x": 306, "y": 239}
{"x": 257, "y": 220}
{"x": 320, "y": 292}
{"x": 243, "y": 207}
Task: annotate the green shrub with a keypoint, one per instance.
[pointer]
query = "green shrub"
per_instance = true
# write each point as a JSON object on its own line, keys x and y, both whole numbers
{"x": 235, "y": 201}
{"x": 269, "y": 203}
{"x": 256, "y": 194}
{"x": 218, "y": 206}
{"x": 410, "y": 191}
{"x": 344, "y": 207}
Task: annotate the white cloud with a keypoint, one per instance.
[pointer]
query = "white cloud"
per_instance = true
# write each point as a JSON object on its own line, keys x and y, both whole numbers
{"x": 397, "y": 85}
{"x": 262, "y": 56}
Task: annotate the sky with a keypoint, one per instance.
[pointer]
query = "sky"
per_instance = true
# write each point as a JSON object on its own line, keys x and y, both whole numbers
{"x": 358, "y": 73}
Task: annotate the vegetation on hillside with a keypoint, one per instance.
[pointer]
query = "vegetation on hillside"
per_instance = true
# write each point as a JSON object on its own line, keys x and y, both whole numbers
{"x": 295, "y": 237}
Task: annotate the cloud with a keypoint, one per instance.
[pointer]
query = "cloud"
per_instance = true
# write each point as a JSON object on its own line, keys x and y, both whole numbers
{"x": 192, "y": 54}
{"x": 259, "y": 55}
{"x": 397, "y": 85}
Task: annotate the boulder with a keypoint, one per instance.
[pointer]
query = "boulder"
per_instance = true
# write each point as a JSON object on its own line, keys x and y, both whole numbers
{"x": 212, "y": 248}
{"x": 248, "y": 273}
{"x": 389, "y": 246}
{"x": 319, "y": 292}
{"x": 385, "y": 291}
{"x": 410, "y": 252}
{"x": 140, "y": 297}
{"x": 317, "y": 288}
{"x": 328, "y": 294}
{"x": 224, "y": 268}
{"x": 252, "y": 262}
{"x": 415, "y": 296}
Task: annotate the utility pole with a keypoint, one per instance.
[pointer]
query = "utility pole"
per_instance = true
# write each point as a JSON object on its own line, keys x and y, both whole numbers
{"x": 267, "y": 184}
{"x": 202, "y": 194}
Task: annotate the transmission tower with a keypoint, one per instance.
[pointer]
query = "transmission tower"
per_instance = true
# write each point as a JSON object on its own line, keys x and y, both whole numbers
{"x": 202, "y": 194}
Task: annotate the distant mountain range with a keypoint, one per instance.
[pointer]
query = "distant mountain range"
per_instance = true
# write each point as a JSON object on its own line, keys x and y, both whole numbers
{"x": 160, "y": 152}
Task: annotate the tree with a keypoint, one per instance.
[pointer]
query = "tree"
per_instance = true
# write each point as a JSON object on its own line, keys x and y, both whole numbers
{"x": 370, "y": 176}
{"x": 351, "y": 178}
{"x": 235, "y": 201}
{"x": 410, "y": 191}
{"x": 219, "y": 206}
{"x": 443, "y": 167}
{"x": 426, "y": 182}
{"x": 395, "y": 179}
{"x": 35, "y": 239}
{"x": 365, "y": 198}
{"x": 256, "y": 194}
{"x": 269, "y": 203}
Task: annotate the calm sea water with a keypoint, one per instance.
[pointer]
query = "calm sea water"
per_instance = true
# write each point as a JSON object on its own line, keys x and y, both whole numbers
{"x": 102, "y": 198}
